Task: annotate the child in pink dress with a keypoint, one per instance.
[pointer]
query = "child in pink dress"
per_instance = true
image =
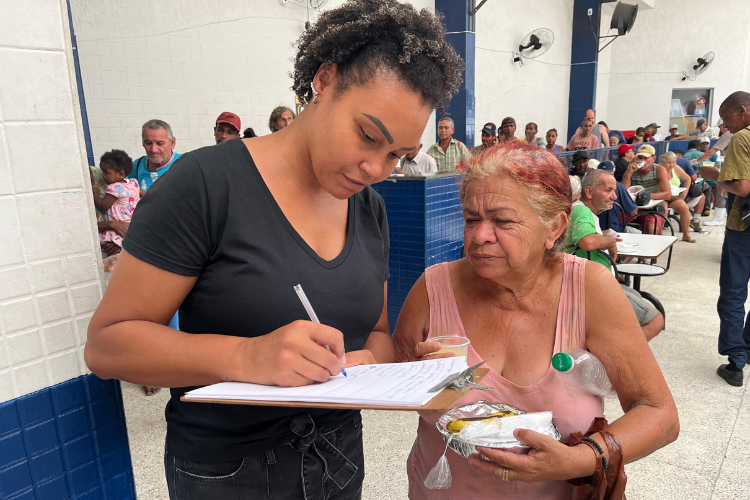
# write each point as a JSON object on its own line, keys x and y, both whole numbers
{"x": 122, "y": 194}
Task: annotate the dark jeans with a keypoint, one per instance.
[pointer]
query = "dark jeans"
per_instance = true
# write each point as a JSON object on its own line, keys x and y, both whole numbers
{"x": 321, "y": 464}
{"x": 734, "y": 329}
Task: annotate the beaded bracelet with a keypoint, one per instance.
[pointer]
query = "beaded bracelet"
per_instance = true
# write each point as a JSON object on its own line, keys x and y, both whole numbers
{"x": 599, "y": 449}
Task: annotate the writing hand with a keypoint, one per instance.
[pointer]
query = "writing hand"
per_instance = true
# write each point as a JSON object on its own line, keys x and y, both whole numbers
{"x": 290, "y": 356}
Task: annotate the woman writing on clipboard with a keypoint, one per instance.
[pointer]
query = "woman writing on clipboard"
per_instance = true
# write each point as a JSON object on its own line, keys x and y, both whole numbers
{"x": 232, "y": 228}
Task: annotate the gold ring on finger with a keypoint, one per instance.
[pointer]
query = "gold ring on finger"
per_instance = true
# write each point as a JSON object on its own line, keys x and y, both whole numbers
{"x": 505, "y": 474}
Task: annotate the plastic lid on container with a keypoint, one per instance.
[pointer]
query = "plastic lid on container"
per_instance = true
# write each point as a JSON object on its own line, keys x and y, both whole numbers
{"x": 562, "y": 362}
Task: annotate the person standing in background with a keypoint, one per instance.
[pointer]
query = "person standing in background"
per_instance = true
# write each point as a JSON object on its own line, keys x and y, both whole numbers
{"x": 281, "y": 117}
{"x": 227, "y": 127}
{"x": 584, "y": 139}
{"x": 448, "y": 152}
{"x": 600, "y": 131}
{"x": 159, "y": 142}
{"x": 489, "y": 138}
{"x": 507, "y": 131}
{"x": 531, "y": 138}
{"x": 734, "y": 328}
{"x": 551, "y": 146}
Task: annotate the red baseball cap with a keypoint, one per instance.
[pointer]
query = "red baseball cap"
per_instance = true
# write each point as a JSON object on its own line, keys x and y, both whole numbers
{"x": 230, "y": 118}
{"x": 624, "y": 149}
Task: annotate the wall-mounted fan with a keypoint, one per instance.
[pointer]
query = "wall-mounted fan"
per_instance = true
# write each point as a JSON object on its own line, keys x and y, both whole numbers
{"x": 534, "y": 44}
{"x": 701, "y": 65}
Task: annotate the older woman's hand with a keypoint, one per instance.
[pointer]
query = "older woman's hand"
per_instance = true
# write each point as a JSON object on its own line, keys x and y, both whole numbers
{"x": 429, "y": 350}
{"x": 549, "y": 460}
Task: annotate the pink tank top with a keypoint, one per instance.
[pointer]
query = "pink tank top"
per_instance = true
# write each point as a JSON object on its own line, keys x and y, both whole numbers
{"x": 573, "y": 410}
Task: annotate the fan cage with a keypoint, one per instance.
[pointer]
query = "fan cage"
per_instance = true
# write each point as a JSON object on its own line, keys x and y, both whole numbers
{"x": 546, "y": 38}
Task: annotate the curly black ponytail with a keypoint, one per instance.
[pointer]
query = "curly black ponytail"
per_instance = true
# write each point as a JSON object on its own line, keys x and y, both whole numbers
{"x": 365, "y": 36}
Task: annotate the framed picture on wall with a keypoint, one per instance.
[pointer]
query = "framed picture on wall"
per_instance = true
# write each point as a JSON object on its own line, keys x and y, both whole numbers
{"x": 688, "y": 106}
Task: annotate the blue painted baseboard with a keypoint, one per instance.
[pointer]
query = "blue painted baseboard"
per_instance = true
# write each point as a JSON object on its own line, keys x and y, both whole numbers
{"x": 67, "y": 441}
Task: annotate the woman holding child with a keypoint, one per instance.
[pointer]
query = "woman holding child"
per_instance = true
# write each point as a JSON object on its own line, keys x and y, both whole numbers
{"x": 519, "y": 300}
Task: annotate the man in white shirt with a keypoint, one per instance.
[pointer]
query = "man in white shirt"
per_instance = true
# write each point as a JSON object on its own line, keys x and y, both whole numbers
{"x": 417, "y": 163}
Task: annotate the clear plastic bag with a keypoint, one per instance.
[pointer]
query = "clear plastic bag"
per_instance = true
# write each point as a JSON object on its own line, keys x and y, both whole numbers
{"x": 439, "y": 477}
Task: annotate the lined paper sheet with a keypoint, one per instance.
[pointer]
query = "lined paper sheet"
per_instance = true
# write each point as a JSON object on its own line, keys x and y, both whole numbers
{"x": 393, "y": 384}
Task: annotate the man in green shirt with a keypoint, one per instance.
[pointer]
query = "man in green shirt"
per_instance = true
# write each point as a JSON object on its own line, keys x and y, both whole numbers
{"x": 598, "y": 193}
{"x": 448, "y": 152}
{"x": 734, "y": 329}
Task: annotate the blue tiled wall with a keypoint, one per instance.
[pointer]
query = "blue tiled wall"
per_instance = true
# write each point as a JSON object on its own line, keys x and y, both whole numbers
{"x": 66, "y": 441}
{"x": 426, "y": 228}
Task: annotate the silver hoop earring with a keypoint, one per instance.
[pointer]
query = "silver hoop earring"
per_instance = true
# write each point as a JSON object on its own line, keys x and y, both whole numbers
{"x": 315, "y": 93}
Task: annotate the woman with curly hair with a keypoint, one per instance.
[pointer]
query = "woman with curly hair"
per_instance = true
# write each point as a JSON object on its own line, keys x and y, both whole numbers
{"x": 234, "y": 227}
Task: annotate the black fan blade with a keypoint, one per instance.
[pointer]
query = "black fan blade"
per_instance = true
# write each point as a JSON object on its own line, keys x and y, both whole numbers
{"x": 533, "y": 42}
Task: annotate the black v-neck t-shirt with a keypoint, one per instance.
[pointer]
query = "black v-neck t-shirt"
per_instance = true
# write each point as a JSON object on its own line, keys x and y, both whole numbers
{"x": 213, "y": 217}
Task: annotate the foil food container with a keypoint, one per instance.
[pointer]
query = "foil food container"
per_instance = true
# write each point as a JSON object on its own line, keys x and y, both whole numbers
{"x": 479, "y": 409}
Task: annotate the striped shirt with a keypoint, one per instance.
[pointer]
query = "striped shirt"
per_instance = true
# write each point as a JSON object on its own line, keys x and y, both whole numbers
{"x": 448, "y": 160}
{"x": 650, "y": 181}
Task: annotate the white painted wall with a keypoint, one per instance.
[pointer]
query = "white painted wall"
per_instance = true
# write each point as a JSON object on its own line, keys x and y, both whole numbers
{"x": 50, "y": 281}
{"x": 142, "y": 59}
{"x": 638, "y": 71}
{"x": 536, "y": 92}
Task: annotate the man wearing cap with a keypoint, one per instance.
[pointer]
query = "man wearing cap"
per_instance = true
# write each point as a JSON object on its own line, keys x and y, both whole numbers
{"x": 651, "y": 128}
{"x": 734, "y": 329}
{"x": 703, "y": 130}
{"x": 417, "y": 163}
{"x": 448, "y": 152}
{"x": 674, "y": 134}
{"x": 507, "y": 131}
{"x": 580, "y": 164}
{"x": 227, "y": 127}
{"x": 584, "y": 139}
{"x": 653, "y": 177}
{"x": 625, "y": 154}
{"x": 598, "y": 193}
{"x": 489, "y": 138}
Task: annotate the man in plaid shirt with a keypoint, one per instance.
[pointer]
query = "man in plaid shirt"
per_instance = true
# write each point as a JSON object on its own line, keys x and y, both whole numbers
{"x": 448, "y": 152}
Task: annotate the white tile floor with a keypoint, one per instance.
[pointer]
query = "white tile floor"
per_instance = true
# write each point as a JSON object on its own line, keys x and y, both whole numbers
{"x": 710, "y": 460}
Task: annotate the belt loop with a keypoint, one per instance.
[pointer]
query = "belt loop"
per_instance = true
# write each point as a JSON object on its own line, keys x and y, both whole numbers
{"x": 305, "y": 429}
{"x": 270, "y": 457}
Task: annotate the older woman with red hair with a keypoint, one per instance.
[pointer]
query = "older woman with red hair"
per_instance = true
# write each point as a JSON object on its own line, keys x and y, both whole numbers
{"x": 520, "y": 299}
